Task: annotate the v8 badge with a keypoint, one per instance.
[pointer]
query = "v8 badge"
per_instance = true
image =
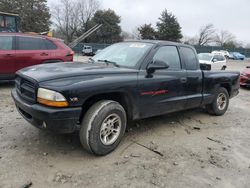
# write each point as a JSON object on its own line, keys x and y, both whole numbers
{"x": 74, "y": 99}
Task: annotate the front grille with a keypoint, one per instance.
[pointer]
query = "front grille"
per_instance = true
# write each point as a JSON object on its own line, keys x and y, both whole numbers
{"x": 26, "y": 89}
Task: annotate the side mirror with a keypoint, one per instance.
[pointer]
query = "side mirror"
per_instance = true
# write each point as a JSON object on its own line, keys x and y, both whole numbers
{"x": 214, "y": 60}
{"x": 156, "y": 65}
{"x": 248, "y": 67}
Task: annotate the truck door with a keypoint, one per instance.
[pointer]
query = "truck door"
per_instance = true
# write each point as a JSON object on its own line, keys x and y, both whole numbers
{"x": 162, "y": 91}
{"x": 7, "y": 57}
{"x": 193, "y": 87}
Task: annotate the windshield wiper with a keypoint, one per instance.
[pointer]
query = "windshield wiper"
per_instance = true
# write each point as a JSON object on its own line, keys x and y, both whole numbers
{"x": 108, "y": 62}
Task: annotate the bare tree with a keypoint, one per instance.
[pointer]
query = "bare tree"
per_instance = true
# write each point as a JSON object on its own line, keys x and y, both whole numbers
{"x": 87, "y": 9}
{"x": 189, "y": 40}
{"x": 71, "y": 16}
{"x": 247, "y": 45}
{"x": 136, "y": 34}
{"x": 224, "y": 37}
{"x": 127, "y": 35}
{"x": 64, "y": 19}
{"x": 206, "y": 35}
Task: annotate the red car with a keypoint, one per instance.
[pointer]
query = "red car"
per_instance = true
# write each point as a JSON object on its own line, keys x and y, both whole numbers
{"x": 245, "y": 77}
{"x": 19, "y": 50}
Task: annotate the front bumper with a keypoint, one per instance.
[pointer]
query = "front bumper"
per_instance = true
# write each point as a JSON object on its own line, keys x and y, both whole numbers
{"x": 244, "y": 81}
{"x": 59, "y": 120}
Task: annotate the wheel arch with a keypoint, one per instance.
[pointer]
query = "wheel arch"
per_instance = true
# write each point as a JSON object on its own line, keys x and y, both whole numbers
{"x": 52, "y": 61}
{"x": 123, "y": 98}
{"x": 228, "y": 87}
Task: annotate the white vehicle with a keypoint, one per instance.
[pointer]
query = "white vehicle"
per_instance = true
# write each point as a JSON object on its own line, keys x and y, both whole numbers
{"x": 87, "y": 50}
{"x": 222, "y": 52}
{"x": 217, "y": 62}
{"x": 98, "y": 51}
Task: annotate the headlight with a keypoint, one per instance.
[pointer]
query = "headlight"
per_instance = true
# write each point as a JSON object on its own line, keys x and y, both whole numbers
{"x": 51, "y": 98}
{"x": 245, "y": 75}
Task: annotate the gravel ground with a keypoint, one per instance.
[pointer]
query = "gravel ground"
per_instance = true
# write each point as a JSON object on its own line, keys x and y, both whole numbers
{"x": 185, "y": 149}
{"x": 80, "y": 58}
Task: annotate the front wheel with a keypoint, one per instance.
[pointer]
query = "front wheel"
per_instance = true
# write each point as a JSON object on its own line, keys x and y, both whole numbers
{"x": 103, "y": 127}
{"x": 220, "y": 103}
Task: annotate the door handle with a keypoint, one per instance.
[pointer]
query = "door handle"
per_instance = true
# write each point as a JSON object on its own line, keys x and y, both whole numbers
{"x": 183, "y": 80}
{"x": 44, "y": 54}
{"x": 9, "y": 55}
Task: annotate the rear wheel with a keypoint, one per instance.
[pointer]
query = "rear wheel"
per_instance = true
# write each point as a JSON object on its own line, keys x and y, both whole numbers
{"x": 103, "y": 127}
{"x": 220, "y": 104}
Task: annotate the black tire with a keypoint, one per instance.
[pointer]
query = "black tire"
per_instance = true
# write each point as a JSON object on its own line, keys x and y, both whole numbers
{"x": 90, "y": 132}
{"x": 224, "y": 67}
{"x": 214, "y": 108}
{"x": 51, "y": 61}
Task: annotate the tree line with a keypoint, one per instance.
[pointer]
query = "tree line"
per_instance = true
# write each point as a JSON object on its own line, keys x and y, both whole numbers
{"x": 209, "y": 35}
{"x": 68, "y": 18}
{"x": 35, "y": 14}
{"x": 71, "y": 18}
{"x": 167, "y": 28}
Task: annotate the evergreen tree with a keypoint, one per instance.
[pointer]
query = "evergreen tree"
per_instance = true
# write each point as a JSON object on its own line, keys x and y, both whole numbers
{"x": 34, "y": 14}
{"x": 168, "y": 27}
{"x": 110, "y": 32}
{"x": 147, "y": 32}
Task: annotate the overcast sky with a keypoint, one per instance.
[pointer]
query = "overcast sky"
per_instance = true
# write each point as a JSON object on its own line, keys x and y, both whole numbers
{"x": 231, "y": 15}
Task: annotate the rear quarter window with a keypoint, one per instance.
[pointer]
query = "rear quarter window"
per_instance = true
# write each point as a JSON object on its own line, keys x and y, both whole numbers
{"x": 50, "y": 45}
{"x": 64, "y": 45}
{"x": 189, "y": 57}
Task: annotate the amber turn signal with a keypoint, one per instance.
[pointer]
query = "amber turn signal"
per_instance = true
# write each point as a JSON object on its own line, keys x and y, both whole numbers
{"x": 52, "y": 103}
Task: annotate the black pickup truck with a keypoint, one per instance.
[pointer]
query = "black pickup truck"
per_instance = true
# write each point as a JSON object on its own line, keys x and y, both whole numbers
{"x": 125, "y": 81}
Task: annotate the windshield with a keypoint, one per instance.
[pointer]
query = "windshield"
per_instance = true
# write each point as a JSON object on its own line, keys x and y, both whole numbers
{"x": 123, "y": 54}
{"x": 205, "y": 57}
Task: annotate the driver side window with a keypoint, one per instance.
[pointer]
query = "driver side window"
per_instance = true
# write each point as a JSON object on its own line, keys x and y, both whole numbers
{"x": 169, "y": 55}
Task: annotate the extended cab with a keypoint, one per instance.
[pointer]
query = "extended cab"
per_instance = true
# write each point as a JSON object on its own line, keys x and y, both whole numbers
{"x": 125, "y": 81}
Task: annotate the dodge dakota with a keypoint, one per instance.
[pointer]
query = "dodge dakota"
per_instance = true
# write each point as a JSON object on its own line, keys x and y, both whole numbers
{"x": 124, "y": 82}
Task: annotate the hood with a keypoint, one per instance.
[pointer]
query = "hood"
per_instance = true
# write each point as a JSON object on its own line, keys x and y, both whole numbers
{"x": 205, "y": 62}
{"x": 246, "y": 71}
{"x": 53, "y": 71}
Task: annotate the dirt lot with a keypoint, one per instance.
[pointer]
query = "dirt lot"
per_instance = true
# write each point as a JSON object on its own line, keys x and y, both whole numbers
{"x": 194, "y": 150}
